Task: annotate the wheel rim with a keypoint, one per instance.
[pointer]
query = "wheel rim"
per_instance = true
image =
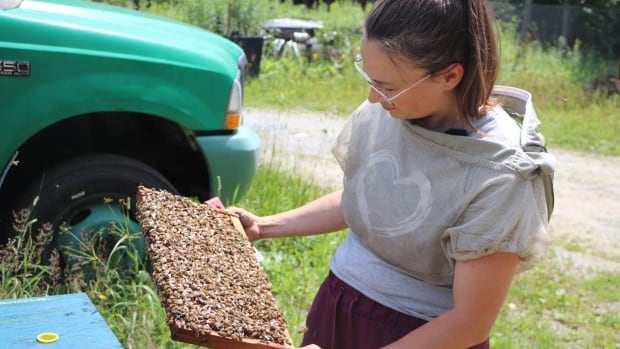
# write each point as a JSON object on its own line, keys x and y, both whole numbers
{"x": 100, "y": 225}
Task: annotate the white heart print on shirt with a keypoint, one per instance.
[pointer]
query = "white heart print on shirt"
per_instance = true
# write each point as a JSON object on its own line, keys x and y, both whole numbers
{"x": 375, "y": 197}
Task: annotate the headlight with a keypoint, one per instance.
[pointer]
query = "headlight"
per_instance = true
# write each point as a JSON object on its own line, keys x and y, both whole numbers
{"x": 233, "y": 115}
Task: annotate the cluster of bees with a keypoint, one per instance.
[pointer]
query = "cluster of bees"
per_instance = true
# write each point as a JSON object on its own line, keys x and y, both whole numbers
{"x": 206, "y": 271}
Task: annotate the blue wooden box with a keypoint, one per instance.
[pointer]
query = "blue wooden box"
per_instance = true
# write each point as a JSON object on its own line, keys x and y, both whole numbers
{"x": 73, "y": 317}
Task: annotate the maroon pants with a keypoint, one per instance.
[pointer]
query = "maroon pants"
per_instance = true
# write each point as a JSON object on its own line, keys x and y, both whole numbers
{"x": 343, "y": 318}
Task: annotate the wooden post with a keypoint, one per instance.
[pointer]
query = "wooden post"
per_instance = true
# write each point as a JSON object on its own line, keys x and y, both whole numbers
{"x": 229, "y": 18}
{"x": 527, "y": 18}
{"x": 565, "y": 20}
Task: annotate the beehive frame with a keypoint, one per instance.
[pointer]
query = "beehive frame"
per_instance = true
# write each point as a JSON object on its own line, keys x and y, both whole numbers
{"x": 213, "y": 288}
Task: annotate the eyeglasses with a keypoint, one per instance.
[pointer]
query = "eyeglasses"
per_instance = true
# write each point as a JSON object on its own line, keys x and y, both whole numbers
{"x": 390, "y": 100}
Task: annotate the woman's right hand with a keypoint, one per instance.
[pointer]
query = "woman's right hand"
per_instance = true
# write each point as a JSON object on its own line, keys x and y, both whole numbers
{"x": 248, "y": 220}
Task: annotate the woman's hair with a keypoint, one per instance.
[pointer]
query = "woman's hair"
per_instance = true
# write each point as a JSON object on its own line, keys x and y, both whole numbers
{"x": 436, "y": 33}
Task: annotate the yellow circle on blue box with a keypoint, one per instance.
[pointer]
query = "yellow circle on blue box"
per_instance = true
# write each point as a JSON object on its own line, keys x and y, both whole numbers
{"x": 47, "y": 337}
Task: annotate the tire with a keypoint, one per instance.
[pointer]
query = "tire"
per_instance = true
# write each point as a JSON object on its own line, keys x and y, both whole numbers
{"x": 82, "y": 198}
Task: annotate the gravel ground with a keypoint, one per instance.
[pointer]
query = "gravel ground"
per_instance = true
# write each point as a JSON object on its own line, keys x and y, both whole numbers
{"x": 584, "y": 228}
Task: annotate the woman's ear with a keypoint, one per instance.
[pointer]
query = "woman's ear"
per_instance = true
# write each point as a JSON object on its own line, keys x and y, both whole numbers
{"x": 452, "y": 75}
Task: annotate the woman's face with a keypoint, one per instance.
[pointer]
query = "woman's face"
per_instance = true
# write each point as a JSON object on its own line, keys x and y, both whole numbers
{"x": 411, "y": 93}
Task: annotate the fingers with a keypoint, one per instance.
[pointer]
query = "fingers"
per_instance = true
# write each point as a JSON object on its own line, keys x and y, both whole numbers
{"x": 236, "y": 210}
{"x": 248, "y": 221}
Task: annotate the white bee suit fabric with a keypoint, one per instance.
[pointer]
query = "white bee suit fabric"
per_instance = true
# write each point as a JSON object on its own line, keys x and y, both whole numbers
{"x": 417, "y": 200}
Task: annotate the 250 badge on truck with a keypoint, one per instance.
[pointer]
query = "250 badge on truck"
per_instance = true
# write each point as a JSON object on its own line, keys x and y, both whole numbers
{"x": 97, "y": 100}
{"x": 14, "y": 68}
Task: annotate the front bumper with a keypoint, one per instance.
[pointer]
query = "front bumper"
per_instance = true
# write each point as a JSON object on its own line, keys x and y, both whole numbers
{"x": 232, "y": 161}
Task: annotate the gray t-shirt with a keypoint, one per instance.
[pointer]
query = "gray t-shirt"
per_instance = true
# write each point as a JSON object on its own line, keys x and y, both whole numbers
{"x": 417, "y": 200}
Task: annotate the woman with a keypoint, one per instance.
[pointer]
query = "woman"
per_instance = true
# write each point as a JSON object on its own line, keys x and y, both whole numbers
{"x": 442, "y": 205}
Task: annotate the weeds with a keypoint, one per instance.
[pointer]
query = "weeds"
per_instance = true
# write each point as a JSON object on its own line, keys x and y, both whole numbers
{"x": 23, "y": 271}
{"x": 106, "y": 264}
{"x": 546, "y": 308}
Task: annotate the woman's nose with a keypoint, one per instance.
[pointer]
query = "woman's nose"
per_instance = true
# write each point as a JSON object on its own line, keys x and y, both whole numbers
{"x": 374, "y": 97}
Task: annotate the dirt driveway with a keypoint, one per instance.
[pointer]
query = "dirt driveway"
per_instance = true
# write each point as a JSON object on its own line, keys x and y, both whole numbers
{"x": 584, "y": 228}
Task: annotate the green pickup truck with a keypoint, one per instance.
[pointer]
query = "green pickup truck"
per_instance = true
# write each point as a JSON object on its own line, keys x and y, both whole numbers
{"x": 96, "y": 100}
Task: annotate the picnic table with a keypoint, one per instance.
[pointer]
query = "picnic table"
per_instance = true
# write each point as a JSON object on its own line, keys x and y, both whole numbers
{"x": 292, "y": 32}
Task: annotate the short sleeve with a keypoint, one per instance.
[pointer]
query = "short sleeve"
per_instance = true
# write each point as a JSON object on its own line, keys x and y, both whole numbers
{"x": 507, "y": 215}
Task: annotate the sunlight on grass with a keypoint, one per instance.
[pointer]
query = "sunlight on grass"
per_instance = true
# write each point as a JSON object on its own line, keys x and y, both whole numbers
{"x": 296, "y": 266}
{"x": 547, "y": 307}
{"x": 573, "y": 115}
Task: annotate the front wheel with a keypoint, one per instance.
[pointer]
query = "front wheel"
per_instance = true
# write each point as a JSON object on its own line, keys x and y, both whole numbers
{"x": 91, "y": 203}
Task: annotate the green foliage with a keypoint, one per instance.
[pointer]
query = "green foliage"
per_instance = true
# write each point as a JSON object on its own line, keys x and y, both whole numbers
{"x": 24, "y": 272}
{"x": 592, "y": 22}
{"x": 568, "y": 84}
{"x": 223, "y": 16}
{"x": 287, "y": 84}
{"x": 549, "y": 308}
{"x": 576, "y": 110}
{"x": 597, "y": 22}
{"x": 546, "y": 308}
{"x": 123, "y": 293}
{"x": 296, "y": 266}
{"x": 127, "y": 297}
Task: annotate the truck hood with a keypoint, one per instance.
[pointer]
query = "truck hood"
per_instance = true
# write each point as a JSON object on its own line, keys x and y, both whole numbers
{"x": 107, "y": 30}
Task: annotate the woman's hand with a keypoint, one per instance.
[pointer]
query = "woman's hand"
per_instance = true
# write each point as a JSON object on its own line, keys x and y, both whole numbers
{"x": 249, "y": 221}
{"x": 320, "y": 216}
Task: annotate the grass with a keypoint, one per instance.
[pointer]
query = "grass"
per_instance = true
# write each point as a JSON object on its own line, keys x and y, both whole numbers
{"x": 573, "y": 117}
{"x": 296, "y": 266}
{"x": 546, "y": 308}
